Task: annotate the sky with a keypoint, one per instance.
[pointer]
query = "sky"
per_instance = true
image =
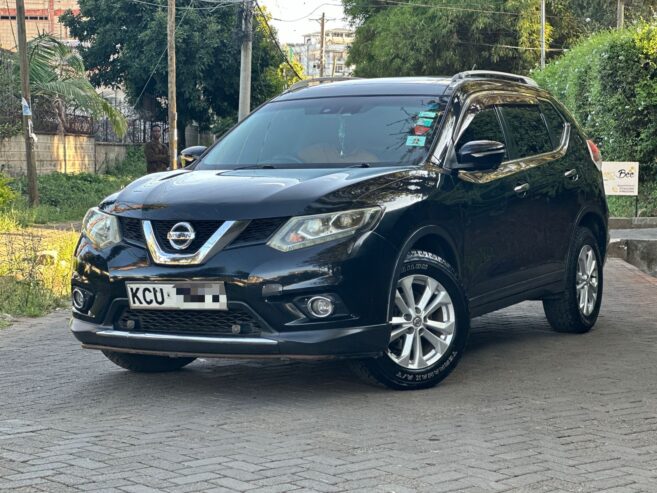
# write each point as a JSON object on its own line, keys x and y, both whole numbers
{"x": 294, "y": 18}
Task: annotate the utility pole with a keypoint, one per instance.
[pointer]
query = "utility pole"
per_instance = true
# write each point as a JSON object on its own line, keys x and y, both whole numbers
{"x": 173, "y": 115}
{"x": 245, "y": 62}
{"x": 322, "y": 22}
{"x": 620, "y": 14}
{"x": 542, "y": 33}
{"x": 33, "y": 193}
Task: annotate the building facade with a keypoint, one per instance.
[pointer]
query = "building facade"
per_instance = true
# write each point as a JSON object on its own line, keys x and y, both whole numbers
{"x": 336, "y": 47}
{"x": 41, "y": 16}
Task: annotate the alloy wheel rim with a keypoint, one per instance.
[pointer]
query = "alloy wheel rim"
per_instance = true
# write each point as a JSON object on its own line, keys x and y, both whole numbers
{"x": 423, "y": 322}
{"x": 587, "y": 280}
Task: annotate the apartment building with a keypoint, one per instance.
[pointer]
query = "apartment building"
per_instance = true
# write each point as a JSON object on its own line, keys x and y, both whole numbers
{"x": 41, "y": 16}
{"x": 336, "y": 47}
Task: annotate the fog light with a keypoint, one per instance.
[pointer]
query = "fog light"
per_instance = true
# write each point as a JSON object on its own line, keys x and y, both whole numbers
{"x": 78, "y": 299}
{"x": 81, "y": 299}
{"x": 320, "y": 306}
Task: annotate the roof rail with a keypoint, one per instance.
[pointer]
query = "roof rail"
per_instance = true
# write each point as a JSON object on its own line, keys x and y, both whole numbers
{"x": 491, "y": 74}
{"x": 302, "y": 84}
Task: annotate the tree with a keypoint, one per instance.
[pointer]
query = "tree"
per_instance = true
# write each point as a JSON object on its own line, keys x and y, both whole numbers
{"x": 122, "y": 42}
{"x": 596, "y": 15}
{"x": 430, "y": 37}
{"x": 58, "y": 78}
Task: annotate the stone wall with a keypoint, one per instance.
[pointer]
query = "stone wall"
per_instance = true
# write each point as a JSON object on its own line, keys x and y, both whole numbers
{"x": 69, "y": 154}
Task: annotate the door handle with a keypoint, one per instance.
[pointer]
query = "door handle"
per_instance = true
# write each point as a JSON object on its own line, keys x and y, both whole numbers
{"x": 572, "y": 174}
{"x": 521, "y": 189}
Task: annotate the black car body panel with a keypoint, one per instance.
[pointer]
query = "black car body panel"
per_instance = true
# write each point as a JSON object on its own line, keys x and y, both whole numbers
{"x": 247, "y": 194}
{"x": 506, "y": 247}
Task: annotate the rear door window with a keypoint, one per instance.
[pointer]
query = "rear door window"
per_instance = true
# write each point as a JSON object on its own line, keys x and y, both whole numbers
{"x": 555, "y": 122}
{"x": 527, "y": 130}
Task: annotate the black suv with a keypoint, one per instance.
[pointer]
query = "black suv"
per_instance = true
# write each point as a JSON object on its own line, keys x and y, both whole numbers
{"x": 368, "y": 219}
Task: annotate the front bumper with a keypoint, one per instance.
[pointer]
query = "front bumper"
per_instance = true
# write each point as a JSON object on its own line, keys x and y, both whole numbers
{"x": 259, "y": 280}
{"x": 309, "y": 344}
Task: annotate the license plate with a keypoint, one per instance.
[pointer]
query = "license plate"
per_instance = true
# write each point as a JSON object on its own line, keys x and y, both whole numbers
{"x": 177, "y": 296}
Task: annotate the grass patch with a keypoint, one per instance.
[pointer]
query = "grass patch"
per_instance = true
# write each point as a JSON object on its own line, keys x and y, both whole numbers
{"x": 35, "y": 270}
{"x": 64, "y": 197}
{"x": 36, "y": 263}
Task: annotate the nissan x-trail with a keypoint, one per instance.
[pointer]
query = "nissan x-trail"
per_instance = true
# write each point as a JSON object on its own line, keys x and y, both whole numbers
{"x": 366, "y": 219}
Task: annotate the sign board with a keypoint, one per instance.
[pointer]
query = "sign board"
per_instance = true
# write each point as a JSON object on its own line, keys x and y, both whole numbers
{"x": 621, "y": 178}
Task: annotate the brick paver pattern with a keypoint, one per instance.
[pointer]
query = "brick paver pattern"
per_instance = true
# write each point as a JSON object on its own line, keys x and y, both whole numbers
{"x": 527, "y": 409}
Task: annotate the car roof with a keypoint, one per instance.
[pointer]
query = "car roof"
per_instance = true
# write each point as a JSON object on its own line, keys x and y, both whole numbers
{"x": 384, "y": 86}
{"x": 439, "y": 86}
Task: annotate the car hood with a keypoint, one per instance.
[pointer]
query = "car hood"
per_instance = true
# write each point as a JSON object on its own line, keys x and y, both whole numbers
{"x": 248, "y": 194}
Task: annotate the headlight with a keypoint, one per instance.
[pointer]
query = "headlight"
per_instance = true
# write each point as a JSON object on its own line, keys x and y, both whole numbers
{"x": 305, "y": 231}
{"x": 101, "y": 229}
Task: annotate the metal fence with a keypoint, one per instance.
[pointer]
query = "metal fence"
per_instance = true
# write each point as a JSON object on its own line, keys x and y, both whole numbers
{"x": 46, "y": 120}
{"x": 139, "y": 131}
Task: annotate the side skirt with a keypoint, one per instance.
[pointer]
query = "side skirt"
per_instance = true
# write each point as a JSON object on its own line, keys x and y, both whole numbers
{"x": 541, "y": 287}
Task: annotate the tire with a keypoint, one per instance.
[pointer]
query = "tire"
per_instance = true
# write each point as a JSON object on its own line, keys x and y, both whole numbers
{"x": 399, "y": 367}
{"x": 145, "y": 363}
{"x": 565, "y": 312}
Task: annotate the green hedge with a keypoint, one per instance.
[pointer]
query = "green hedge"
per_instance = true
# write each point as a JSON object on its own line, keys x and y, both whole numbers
{"x": 65, "y": 197}
{"x": 609, "y": 83}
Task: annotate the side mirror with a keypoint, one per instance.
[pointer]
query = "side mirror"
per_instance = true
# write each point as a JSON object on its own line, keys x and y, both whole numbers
{"x": 190, "y": 155}
{"x": 480, "y": 155}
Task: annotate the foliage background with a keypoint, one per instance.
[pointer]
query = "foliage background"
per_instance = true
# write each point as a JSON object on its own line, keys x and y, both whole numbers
{"x": 122, "y": 41}
{"x": 609, "y": 83}
{"x": 434, "y": 37}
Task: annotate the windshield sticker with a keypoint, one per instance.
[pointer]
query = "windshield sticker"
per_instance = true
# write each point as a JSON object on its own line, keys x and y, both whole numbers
{"x": 427, "y": 114}
{"x": 424, "y": 122}
{"x": 416, "y": 141}
{"x": 419, "y": 130}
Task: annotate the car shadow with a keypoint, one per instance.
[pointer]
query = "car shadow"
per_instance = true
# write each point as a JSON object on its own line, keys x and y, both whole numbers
{"x": 500, "y": 333}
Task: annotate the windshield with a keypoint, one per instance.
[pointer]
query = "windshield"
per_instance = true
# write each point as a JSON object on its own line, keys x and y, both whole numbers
{"x": 342, "y": 131}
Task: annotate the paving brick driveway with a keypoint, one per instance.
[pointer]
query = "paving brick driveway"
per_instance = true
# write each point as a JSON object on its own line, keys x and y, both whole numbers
{"x": 526, "y": 410}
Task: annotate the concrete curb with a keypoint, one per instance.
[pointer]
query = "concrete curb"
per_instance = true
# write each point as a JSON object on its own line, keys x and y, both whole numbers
{"x": 640, "y": 253}
{"x": 632, "y": 222}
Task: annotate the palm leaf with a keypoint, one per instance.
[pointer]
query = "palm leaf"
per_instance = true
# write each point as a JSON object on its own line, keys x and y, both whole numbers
{"x": 57, "y": 74}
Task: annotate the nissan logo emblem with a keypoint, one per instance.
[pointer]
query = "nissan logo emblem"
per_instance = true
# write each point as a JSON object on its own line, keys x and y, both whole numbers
{"x": 181, "y": 235}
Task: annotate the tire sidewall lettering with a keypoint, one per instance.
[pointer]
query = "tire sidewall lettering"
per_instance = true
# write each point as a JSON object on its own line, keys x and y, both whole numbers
{"x": 415, "y": 266}
{"x": 427, "y": 375}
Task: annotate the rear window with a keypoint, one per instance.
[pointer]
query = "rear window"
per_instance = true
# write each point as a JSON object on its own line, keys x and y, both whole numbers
{"x": 527, "y": 129}
{"x": 385, "y": 130}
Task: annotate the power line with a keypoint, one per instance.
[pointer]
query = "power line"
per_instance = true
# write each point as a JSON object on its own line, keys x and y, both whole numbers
{"x": 393, "y": 3}
{"x": 309, "y": 13}
{"x": 273, "y": 38}
{"x": 158, "y": 60}
{"x": 212, "y": 8}
{"x": 509, "y": 46}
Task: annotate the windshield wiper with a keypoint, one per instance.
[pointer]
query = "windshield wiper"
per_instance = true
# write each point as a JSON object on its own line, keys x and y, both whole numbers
{"x": 253, "y": 166}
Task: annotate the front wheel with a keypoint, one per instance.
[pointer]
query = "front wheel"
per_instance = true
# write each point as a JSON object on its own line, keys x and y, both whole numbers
{"x": 429, "y": 326}
{"x": 146, "y": 363}
{"x": 576, "y": 309}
